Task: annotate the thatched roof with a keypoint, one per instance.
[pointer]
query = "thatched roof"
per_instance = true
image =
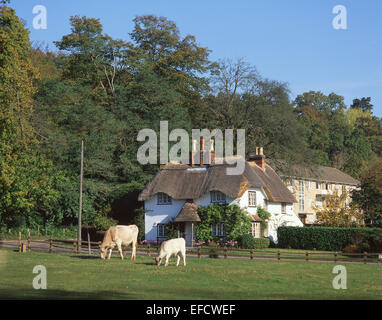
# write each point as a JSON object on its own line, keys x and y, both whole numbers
{"x": 181, "y": 181}
{"x": 319, "y": 173}
{"x": 188, "y": 213}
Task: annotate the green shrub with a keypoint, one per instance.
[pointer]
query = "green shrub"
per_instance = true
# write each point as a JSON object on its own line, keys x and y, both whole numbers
{"x": 329, "y": 238}
{"x": 261, "y": 243}
{"x": 213, "y": 253}
{"x": 102, "y": 221}
{"x": 246, "y": 241}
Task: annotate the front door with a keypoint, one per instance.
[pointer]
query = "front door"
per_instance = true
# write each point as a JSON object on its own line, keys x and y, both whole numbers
{"x": 188, "y": 233}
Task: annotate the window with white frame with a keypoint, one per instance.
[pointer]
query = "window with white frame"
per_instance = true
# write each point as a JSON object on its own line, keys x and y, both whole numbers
{"x": 161, "y": 230}
{"x": 255, "y": 230}
{"x": 217, "y": 229}
{"x": 163, "y": 198}
{"x": 301, "y": 196}
{"x": 309, "y": 184}
{"x": 283, "y": 207}
{"x": 318, "y": 185}
{"x": 218, "y": 197}
{"x": 252, "y": 199}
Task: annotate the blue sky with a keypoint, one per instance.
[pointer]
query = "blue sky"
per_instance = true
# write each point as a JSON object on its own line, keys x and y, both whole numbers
{"x": 291, "y": 41}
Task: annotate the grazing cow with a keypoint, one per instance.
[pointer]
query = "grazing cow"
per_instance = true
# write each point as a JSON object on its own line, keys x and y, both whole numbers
{"x": 118, "y": 236}
{"x": 176, "y": 247}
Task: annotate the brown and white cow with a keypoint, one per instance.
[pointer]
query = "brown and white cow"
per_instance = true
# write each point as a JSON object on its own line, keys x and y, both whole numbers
{"x": 168, "y": 248}
{"x": 118, "y": 236}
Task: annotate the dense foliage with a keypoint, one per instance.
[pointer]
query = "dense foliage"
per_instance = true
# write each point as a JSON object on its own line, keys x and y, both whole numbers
{"x": 264, "y": 215}
{"x": 247, "y": 241}
{"x": 328, "y": 239}
{"x": 336, "y": 212}
{"x": 104, "y": 90}
{"x": 236, "y": 221}
{"x": 369, "y": 196}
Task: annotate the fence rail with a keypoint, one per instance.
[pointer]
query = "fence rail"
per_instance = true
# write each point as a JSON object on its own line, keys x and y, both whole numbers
{"x": 70, "y": 245}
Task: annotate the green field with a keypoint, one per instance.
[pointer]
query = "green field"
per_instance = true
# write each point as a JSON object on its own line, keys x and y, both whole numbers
{"x": 72, "y": 276}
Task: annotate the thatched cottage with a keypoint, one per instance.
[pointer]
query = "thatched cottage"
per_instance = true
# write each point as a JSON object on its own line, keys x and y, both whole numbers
{"x": 177, "y": 190}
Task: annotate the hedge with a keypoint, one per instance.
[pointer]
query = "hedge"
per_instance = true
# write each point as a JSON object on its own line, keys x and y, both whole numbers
{"x": 329, "y": 238}
{"x": 247, "y": 241}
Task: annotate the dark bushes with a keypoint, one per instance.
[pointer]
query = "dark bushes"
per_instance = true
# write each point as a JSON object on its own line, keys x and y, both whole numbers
{"x": 330, "y": 238}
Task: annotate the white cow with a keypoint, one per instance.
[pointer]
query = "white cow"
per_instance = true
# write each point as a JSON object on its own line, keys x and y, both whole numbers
{"x": 118, "y": 236}
{"x": 168, "y": 248}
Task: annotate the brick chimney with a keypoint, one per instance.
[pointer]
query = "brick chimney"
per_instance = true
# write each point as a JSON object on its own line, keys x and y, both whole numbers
{"x": 258, "y": 157}
{"x": 195, "y": 154}
{"x": 212, "y": 151}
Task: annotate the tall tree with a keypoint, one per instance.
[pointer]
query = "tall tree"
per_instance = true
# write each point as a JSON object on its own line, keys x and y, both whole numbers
{"x": 369, "y": 195}
{"x": 363, "y": 104}
{"x": 26, "y": 178}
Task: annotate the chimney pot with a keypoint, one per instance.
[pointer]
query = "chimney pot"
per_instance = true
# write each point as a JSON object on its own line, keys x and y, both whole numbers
{"x": 194, "y": 145}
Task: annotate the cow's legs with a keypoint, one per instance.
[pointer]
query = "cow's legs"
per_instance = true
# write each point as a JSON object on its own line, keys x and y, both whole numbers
{"x": 119, "y": 245}
{"x": 110, "y": 250}
{"x": 134, "y": 250}
{"x": 167, "y": 257}
{"x": 183, "y": 254}
{"x": 178, "y": 259}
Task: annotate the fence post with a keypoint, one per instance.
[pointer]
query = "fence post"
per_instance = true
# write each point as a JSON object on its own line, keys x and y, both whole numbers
{"x": 89, "y": 246}
{"x": 50, "y": 245}
{"x": 38, "y": 230}
{"x": 307, "y": 256}
{"x": 148, "y": 250}
{"x": 74, "y": 247}
{"x": 225, "y": 252}
{"x": 198, "y": 252}
{"x": 251, "y": 254}
{"x": 365, "y": 257}
{"x": 29, "y": 241}
{"x": 19, "y": 241}
{"x": 278, "y": 255}
{"x": 335, "y": 257}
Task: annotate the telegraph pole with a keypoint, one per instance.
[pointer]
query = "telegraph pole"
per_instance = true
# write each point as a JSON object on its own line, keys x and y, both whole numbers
{"x": 80, "y": 201}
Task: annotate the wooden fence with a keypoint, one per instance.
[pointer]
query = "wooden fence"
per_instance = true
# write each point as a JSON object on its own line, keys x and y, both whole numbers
{"x": 90, "y": 247}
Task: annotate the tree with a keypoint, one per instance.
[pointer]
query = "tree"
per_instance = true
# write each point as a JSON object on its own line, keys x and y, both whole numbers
{"x": 27, "y": 178}
{"x": 94, "y": 58}
{"x": 242, "y": 99}
{"x": 336, "y": 212}
{"x": 363, "y": 104}
{"x": 180, "y": 61}
{"x": 369, "y": 196}
{"x": 45, "y": 61}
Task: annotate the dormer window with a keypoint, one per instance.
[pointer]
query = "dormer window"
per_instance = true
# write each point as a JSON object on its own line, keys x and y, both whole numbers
{"x": 217, "y": 197}
{"x": 163, "y": 198}
{"x": 252, "y": 199}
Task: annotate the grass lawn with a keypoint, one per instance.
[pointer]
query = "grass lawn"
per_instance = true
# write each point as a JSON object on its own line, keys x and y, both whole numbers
{"x": 72, "y": 276}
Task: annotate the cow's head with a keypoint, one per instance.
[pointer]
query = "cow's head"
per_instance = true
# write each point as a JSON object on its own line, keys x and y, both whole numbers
{"x": 158, "y": 260}
{"x": 103, "y": 250}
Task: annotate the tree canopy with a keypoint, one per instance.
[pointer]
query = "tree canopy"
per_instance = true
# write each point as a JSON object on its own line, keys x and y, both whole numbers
{"x": 105, "y": 90}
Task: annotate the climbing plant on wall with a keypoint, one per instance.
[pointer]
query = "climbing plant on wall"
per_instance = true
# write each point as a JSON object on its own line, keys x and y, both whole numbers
{"x": 235, "y": 219}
